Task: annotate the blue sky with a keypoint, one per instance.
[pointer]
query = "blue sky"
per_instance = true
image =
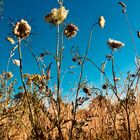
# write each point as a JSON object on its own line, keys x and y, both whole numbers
{"x": 83, "y": 13}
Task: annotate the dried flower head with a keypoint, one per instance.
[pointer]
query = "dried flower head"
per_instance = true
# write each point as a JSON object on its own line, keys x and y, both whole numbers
{"x": 101, "y": 22}
{"x": 16, "y": 62}
{"x": 57, "y": 16}
{"x": 114, "y": 44}
{"x": 11, "y": 40}
{"x": 70, "y": 30}
{"x": 87, "y": 90}
{"x": 22, "y": 29}
{"x": 9, "y": 75}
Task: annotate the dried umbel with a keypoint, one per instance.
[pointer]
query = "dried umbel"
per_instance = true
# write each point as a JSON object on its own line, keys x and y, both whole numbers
{"x": 101, "y": 22}
{"x": 114, "y": 44}
{"x": 9, "y": 75}
{"x": 70, "y": 30}
{"x": 22, "y": 29}
{"x": 57, "y": 16}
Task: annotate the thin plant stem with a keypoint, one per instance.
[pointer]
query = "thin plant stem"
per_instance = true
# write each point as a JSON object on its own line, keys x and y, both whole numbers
{"x": 22, "y": 80}
{"x": 33, "y": 54}
{"x": 58, "y": 83}
{"x": 130, "y": 31}
{"x": 80, "y": 79}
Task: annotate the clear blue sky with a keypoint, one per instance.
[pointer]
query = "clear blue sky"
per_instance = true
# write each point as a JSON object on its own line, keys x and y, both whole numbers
{"x": 82, "y": 13}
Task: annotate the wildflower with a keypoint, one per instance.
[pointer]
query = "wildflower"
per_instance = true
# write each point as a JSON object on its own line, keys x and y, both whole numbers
{"x": 122, "y": 4}
{"x": 101, "y": 22}
{"x": 114, "y": 44}
{"x": 22, "y": 29}
{"x": 9, "y": 75}
{"x": 70, "y": 30}
{"x": 87, "y": 90}
{"x": 57, "y": 16}
{"x": 16, "y": 62}
{"x": 11, "y": 40}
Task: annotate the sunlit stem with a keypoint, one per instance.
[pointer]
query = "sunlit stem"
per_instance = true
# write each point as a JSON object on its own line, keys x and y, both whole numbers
{"x": 80, "y": 78}
{"x": 22, "y": 80}
{"x": 58, "y": 82}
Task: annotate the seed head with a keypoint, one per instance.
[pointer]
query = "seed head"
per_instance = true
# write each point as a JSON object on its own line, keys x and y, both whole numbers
{"x": 57, "y": 16}
{"x": 114, "y": 44}
{"x": 101, "y": 22}
{"x": 22, "y": 29}
{"x": 70, "y": 30}
{"x": 16, "y": 62}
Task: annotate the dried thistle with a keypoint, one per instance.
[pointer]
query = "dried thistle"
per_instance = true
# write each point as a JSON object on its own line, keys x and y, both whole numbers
{"x": 70, "y": 30}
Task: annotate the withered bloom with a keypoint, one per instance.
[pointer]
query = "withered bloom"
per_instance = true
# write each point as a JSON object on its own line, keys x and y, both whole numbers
{"x": 70, "y": 30}
{"x": 22, "y": 29}
{"x": 114, "y": 44}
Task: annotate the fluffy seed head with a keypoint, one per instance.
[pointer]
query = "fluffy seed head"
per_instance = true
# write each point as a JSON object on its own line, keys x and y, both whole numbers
{"x": 22, "y": 29}
{"x": 16, "y": 62}
{"x": 57, "y": 16}
{"x": 114, "y": 44}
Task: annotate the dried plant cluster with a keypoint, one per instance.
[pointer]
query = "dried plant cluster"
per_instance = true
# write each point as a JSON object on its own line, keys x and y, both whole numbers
{"x": 37, "y": 111}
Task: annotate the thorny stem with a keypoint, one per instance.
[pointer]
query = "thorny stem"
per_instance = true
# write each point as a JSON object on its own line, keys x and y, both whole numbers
{"x": 80, "y": 79}
{"x": 21, "y": 75}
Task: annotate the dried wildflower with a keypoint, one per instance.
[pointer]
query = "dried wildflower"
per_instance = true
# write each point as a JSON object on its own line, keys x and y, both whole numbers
{"x": 87, "y": 90}
{"x": 57, "y": 16}
{"x": 122, "y": 4}
{"x": 11, "y": 40}
{"x": 70, "y": 30}
{"x": 101, "y": 22}
{"x": 22, "y": 29}
{"x": 114, "y": 44}
{"x": 16, "y": 62}
{"x": 9, "y": 75}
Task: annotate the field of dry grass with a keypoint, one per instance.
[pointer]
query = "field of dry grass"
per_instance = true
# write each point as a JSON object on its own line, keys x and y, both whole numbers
{"x": 36, "y": 111}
